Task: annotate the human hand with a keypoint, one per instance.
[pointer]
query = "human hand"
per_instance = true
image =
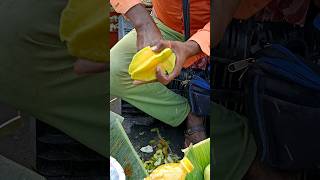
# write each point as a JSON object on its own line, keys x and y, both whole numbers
{"x": 182, "y": 51}
{"x": 148, "y": 34}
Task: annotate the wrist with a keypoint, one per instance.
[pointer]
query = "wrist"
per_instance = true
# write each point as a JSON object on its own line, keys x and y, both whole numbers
{"x": 144, "y": 26}
{"x": 192, "y": 48}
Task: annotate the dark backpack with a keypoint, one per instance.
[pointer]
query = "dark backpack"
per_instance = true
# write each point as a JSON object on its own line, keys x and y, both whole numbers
{"x": 282, "y": 98}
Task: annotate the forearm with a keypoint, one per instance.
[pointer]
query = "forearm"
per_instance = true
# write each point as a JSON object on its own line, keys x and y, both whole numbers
{"x": 192, "y": 48}
{"x": 202, "y": 38}
{"x": 140, "y": 17}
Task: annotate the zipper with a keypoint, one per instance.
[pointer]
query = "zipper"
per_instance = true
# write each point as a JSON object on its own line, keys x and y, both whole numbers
{"x": 239, "y": 65}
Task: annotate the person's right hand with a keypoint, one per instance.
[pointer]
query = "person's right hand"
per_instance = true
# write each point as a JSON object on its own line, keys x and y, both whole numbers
{"x": 148, "y": 34}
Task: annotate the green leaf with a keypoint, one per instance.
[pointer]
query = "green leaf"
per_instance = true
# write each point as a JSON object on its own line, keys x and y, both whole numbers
{"x": 199, "y": 155}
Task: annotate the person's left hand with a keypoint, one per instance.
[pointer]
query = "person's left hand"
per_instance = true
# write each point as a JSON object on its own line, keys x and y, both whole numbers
{"x": 182, "y": 50}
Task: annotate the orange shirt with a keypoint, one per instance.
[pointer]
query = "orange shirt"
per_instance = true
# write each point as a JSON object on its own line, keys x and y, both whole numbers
{"x": 170, "y": 13}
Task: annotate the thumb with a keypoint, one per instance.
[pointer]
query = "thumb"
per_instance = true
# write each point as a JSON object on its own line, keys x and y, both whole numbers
{"x": 161, "y": 45}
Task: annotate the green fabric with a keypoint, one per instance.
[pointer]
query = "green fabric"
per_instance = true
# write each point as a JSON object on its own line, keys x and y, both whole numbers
{"x": 122, "y": 150}
{"x": 233, "y": 144}
{"x": 36, "y": 73}
{"x": 84, "y": 26}
{"x": 153, "y": 98}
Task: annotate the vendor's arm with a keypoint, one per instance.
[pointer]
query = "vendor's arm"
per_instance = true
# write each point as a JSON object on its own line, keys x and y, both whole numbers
{"x": 148, "y": 33}
{"x": 202, "y": 38}
{"x": 122, "y": 6}
{"x": 182, "y": 50}
{"x": 197, "y": 45}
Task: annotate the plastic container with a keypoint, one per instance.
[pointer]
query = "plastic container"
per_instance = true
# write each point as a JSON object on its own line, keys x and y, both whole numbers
{"x": 116, "y": 171}
{"x": 170, "y": 171}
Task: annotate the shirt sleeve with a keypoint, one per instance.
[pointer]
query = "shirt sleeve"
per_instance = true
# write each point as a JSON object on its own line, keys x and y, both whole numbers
{"x": 122, "y": 6}
{"x": 202, "y": 37}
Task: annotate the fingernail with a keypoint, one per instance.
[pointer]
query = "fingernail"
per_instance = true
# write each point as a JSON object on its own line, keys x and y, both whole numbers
{"x": 153, "y": 48}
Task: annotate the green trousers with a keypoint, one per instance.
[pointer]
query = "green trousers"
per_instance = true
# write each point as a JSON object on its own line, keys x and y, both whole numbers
{"x": 233, "y": 147}
{"x": 154, "y": 99}
{"x": 13, "y": 171}
{"x": 36, "y": 73}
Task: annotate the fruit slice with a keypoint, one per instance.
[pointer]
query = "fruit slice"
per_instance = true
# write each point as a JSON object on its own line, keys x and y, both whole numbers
{"x": 144, "y": 63}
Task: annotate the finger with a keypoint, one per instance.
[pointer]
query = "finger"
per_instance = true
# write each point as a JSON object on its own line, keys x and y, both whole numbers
{"x": 175, "y": 73}
{"x": 159, "y": 46}
{"x": 166, "y": 79}
{"x": 162, "y": 78}
{"x": 137, "y": 82}
{"x": 176, "y": 70}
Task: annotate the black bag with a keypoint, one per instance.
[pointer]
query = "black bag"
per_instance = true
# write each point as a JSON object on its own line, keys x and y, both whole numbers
{"x": 199, "y": 96}
{"x": 282, "y": 97}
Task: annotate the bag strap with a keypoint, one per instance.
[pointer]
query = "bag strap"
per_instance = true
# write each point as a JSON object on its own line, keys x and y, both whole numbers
{"x": 186, "y": 19}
